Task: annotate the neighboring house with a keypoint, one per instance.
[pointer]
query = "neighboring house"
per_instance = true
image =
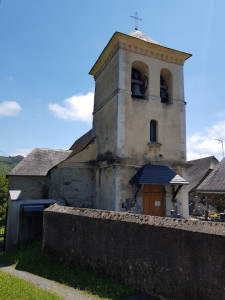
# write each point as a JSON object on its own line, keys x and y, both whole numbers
{"x": 198, "y": 172}
{"x": 134, "y": 158}
{"x": 213, "y": 187}
{"x": 31, "y": 175}
{"x": 29, "y": 184}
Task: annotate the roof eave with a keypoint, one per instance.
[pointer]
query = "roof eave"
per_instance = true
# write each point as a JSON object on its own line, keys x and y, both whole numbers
{"x": 179, "y": 183}
{"x": 27, "y": 175}
{"x": 185, "y": 54}
{"x": 102, "y": 53}
{"x": 160, "y": 183}
{"x": 116, "y": 36}
{"x": 211, "y": 191}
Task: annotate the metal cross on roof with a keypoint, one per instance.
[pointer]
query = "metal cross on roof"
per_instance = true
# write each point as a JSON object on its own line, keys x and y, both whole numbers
{"x": 136, "y": 20}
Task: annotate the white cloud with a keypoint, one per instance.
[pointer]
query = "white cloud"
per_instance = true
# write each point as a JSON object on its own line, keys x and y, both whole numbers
{"x": 21, "y": 151}
{"x": 9, "y": 108}
{"x": 202, "y": 144}
{"x": 75, "y": 108}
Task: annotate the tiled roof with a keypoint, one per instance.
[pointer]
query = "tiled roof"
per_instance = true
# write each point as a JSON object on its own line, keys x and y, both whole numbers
{"x": 39, "y": 161}
{"x": 139, "y": 35}
{"x": 153, "y": 174}
{"x": 215, "y": 182}
{"x": 199, "y": 170}
{"x": 81, "y": 143}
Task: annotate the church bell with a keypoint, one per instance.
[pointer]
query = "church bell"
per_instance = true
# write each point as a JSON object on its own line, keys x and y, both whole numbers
{"x": 138, "y": 84}
{"x": 136, "y": 91}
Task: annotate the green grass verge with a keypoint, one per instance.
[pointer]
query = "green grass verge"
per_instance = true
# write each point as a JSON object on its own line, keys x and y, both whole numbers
{"x": 28, "y": 258}
{"x": 12, "y": 287}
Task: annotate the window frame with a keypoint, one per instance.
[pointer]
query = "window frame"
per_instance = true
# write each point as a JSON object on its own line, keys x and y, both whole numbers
{"x": 153, "y": 131}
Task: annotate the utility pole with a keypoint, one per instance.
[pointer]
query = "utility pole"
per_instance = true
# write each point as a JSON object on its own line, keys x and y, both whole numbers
{"x": 220, "y": 141}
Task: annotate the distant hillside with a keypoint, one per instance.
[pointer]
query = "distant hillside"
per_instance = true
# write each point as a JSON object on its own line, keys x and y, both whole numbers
{"x": 8, "y": 163}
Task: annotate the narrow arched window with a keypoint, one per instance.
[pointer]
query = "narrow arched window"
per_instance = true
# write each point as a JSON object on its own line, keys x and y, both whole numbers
{"x": 153, "y": 131}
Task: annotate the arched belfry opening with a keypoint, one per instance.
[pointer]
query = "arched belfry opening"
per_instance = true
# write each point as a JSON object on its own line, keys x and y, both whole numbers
{"x": 139, "y": 80}
{"x": 166, "y": 86}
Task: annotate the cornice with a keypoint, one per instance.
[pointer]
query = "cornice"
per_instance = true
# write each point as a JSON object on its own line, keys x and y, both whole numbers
{"x": 154, "y": 51}
{"x": 135, "y": 45}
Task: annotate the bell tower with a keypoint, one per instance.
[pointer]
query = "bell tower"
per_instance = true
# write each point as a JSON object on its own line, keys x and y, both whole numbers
{"x": 139, "y": 108}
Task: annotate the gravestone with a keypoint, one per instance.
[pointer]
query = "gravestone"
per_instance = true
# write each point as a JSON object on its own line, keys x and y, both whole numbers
{"x": 178, "y": 204}
{"x": 129, "y": 204}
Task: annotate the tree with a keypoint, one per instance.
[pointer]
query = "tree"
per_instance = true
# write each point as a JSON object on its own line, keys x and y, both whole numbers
{"x": 3, "y": 194}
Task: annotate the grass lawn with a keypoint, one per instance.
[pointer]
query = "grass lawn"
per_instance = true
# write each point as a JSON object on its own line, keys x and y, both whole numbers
{"x": 13, "y": 288}
{"x": 29, "y": 258}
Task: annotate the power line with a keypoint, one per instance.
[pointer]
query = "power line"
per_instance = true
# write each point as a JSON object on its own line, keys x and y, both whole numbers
{"x": 0, "y": 150}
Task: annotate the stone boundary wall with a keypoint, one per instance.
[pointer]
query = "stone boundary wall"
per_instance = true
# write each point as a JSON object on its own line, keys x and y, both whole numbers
{"x": 177, "y": 259}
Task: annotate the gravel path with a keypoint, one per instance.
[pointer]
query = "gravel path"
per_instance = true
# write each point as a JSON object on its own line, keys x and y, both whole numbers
{"x": 49, "y": 285}
{"x": 65, "y": 292}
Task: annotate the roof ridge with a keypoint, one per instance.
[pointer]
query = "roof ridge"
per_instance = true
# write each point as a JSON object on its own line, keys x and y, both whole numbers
{"x": 211, "y": 156}
{"x": 39, "y": 161}
{"x": 139, "y": 35}
{"x": 53, "y": 149}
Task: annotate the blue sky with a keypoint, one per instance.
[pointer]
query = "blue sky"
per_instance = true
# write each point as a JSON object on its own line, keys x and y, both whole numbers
{"x": 48, "y": 48}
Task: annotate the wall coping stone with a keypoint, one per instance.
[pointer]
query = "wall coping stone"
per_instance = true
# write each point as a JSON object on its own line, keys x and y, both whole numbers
{"x": 205, "y": 227}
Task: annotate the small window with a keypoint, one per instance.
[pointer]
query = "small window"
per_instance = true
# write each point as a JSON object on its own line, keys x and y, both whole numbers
{"x": 153, "y": 131}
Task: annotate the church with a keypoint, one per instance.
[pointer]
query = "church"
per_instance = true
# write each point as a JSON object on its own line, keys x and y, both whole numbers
{"x": 134, "y": 157}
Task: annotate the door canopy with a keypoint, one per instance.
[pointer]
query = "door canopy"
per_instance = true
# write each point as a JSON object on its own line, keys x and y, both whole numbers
{"x": 153, "y": 174}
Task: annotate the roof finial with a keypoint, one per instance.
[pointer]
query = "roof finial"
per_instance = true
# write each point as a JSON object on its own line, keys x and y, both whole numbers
{"x": 136, "y": 20}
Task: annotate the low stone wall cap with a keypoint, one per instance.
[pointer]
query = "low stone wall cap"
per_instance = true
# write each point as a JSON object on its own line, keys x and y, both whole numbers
{"x": 205, "y": 227}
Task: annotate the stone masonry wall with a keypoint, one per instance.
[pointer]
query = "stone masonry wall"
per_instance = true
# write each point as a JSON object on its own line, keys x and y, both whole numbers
{"x": 177, "y": 259}
{"x": 73, "y": 186}
{"x": 32, "y": 187}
